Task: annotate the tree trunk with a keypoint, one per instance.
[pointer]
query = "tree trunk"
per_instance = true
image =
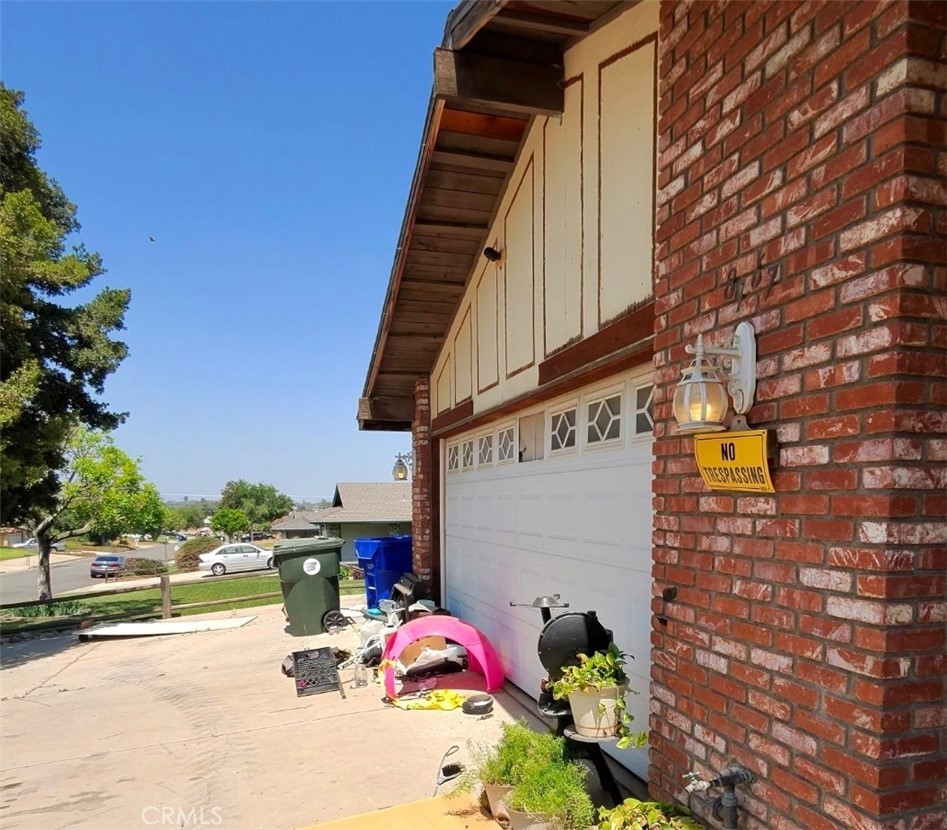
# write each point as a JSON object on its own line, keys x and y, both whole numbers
{"x": 44, "y": 584}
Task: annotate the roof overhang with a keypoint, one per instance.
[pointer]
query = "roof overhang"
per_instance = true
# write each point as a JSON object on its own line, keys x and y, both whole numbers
{"x": 499, "y": 66}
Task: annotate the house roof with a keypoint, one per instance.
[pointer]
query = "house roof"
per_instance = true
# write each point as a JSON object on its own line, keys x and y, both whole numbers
{"x": 388, "y": 502}
{"x": 499, "y": 66}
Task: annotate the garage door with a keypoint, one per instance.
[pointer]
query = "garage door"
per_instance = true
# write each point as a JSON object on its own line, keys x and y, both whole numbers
{"x": 557, "y": 500}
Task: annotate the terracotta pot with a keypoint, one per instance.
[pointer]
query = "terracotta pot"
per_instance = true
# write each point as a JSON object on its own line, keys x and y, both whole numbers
{"x": 499, "y": 810}
{"x": 531, "y": 821}
{"x": 590, "y": 719}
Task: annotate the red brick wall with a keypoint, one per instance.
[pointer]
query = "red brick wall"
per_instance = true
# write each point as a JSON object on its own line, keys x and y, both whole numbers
{"x": 424, "y": 493}
{"x": 809, "y": 635}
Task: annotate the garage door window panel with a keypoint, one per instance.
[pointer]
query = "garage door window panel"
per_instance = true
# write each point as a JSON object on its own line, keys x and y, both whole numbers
{"x": 485, "y": 450}
{"x": 644, "y": 410}
{"x": 603, "y": 424}
{"x": 506, "y": 445}
{"x": 562, "y": 430}
{"x": 467, "y": 455}
{"x": 453, "y": 458}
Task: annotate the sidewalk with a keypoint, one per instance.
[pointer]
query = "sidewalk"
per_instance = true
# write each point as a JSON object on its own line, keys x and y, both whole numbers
{"x": 145, "y": 582}
{"x": 29, "y": 562}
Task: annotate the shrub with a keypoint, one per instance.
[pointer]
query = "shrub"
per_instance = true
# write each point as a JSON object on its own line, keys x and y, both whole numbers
{"x": 633, "y": 814}
{"x": 556, "y": 791}
{"x": 66, "y": 608}
{"x": 139, "y": 566}
{"x": 188, "y": 556}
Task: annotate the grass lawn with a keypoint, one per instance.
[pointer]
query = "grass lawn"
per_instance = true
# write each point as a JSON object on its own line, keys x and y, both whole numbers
{"x": 149, "y": 600}
{"x": 141, "y": 602}
{"x": 12, "y": 553}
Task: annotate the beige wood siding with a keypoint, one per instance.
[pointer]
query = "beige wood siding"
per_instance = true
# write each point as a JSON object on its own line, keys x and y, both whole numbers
{"x": 626, "y": 175}
{"x": 563, "y": 225}
{"x": 575, "y": 224}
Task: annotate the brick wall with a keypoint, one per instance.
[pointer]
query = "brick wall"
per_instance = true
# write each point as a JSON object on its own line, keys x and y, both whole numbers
{"x": 801, "y": 155}
{"x": 424, "y": 488}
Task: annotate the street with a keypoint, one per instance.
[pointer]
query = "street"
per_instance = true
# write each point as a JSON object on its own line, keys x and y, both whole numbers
{"x": 20, "y": 586}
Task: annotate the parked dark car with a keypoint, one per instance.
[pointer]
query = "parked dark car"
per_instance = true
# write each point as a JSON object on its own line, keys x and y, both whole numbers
{"x": 107, "y": 565}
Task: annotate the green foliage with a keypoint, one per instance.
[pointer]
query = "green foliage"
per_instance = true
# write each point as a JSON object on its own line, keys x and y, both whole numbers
{"x": 510, "y": 758}
{"x": 183, "y": 516}
{"x": 187, "y": 557}
{"x": 55, "y": 357}
{"x": 139, "y": 566}
{"x": 633, "y": 814}
{"x": 229, "y": 521}
{"x": 601, "y": 670}
{"x": 103, "y": 492}
{"x": 556, "y": 791}
{"x": 67, "y": 608}
{"x": 262, "y": 503}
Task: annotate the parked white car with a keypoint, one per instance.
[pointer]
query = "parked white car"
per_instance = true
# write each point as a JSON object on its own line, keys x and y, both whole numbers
{"x": 236, "y": 557}
{"x": 32, "y": 544}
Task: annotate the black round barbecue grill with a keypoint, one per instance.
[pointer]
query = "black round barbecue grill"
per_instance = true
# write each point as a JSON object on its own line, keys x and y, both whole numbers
{"x": 561, "y": 641}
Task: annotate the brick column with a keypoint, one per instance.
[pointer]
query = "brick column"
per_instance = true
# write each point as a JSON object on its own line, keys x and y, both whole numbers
{"x": 425, "y": 523}
{"x": 801, "y": 161}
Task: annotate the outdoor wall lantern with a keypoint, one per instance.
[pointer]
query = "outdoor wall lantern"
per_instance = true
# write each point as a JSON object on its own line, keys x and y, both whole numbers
{"x": 700, "y": 400}
{"x": 400, "y": 471}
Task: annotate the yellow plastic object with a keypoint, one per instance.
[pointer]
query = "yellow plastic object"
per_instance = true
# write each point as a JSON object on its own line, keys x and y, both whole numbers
{"x": 438, "y": 699}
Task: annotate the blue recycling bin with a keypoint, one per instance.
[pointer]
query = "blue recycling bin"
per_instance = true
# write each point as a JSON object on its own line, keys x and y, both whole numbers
{"x": 383, "y": 559}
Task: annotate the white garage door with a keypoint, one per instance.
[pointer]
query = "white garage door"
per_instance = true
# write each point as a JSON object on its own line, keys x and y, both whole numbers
{"x": 557, "y": 500}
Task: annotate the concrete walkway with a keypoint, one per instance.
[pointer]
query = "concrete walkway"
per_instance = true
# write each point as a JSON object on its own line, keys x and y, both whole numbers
{"x": 30, "y": 561}
{"x": 131, "y": 733}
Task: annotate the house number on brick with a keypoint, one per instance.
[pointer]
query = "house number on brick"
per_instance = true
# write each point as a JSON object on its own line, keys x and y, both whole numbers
{"x": 734, "y": 461}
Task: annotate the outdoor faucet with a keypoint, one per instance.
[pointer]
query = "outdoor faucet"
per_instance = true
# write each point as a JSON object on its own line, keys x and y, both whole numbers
{"x": 725, "y": 806}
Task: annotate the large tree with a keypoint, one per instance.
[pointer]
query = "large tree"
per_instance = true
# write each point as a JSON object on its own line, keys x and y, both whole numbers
{"x": 230, "y": 521}
{"x": 261, "y": 502}
{"x": 56, "y": 357}
{"x": 101, "y": 492}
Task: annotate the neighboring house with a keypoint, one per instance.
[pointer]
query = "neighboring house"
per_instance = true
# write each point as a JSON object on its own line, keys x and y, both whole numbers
{"x": 12, "y": 536}
{"x": 358, "y": 510}
{"x": 599, "y": 183}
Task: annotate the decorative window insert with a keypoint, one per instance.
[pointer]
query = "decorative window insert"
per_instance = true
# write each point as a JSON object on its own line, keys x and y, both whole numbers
{"x": 467, "y": 454}
{"x": 453, "y": 458}
{"x": 644, "y": 410}
{"x": 604, "y": 422}
{"x": 505, "y": 444}
{"x": 485, "y": 450}
{"x": 562, "y": 430}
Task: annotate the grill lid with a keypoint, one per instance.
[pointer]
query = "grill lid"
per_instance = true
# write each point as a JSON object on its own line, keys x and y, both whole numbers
{"x": 569, "y": 635}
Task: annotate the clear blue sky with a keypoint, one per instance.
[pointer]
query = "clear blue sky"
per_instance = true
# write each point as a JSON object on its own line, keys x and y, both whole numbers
{"x": 268, "y": 148}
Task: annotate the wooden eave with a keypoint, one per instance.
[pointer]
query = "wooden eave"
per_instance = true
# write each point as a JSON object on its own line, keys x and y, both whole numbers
{"x": 499, "y": 66}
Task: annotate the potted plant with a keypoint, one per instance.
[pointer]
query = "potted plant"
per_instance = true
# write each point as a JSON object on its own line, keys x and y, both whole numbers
{"x": 633, "y": 814}
{"x": 596, "y": 687}
{"x": 499, "y": 767}
{"x": 551, "y": 796}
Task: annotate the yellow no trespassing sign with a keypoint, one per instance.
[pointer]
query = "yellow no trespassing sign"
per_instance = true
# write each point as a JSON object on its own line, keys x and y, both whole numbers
{"x": 734, "y": 460}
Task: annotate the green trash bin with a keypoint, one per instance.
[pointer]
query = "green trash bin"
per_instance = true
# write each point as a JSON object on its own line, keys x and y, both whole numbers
{"x": 309, "y": 578}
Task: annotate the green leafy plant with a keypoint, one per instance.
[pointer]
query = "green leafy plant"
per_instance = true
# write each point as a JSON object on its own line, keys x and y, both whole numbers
{"x": 633, "y": 814}
{"x": 593, "y": 673}
{"x": 509, "y": 759}
{"x": 557, "y": 792}
{"x": 66, "y": 608}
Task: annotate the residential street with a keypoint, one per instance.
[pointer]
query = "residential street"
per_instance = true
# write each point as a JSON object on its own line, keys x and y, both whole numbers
{"x": 207, "y": 722}
{"x": 20, "y": 585}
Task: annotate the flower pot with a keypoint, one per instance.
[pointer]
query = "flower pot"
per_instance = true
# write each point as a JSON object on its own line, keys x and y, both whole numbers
{"x": 596, "y": 714}
{"x": 499, "y": 810}
{"x": 531, "y": 821}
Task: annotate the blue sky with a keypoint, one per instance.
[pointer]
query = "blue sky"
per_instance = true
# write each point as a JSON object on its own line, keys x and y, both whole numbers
{"x": 268, "y": 148}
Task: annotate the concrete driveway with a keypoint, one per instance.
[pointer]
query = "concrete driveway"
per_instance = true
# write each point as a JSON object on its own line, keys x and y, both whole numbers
{"x": 203, "y": 730}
